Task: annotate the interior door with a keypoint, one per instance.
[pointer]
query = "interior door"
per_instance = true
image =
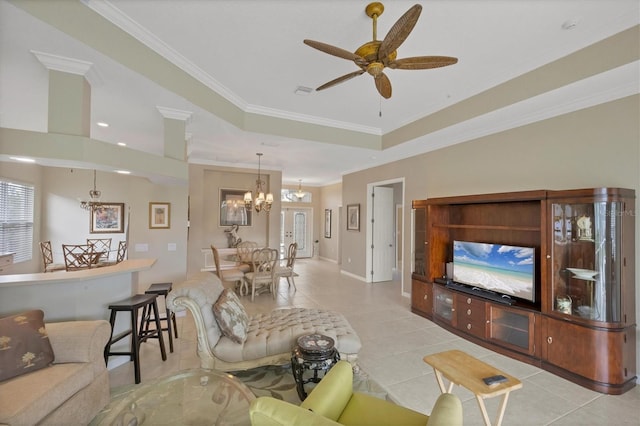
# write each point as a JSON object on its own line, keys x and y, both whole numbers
{"x": 383, "y": 248}
{"x": 296, "y": 226}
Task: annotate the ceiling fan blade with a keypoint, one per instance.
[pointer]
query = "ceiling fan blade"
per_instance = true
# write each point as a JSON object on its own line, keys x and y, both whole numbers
{"x": 422, "y": 62}
{"x": 399, "y": 32}
{"x": 340, "y": 79}
{"x": 383, "y": 85}
{"x": 336, "y": 51}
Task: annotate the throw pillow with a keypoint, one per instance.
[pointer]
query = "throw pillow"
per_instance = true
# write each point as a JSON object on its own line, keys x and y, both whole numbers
{"x": 24, "y": 344}
{"x": 231, "y": 316}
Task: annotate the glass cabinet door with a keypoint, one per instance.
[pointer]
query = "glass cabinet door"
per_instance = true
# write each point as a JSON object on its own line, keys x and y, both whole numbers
{"x": 419, "y": 239}
{"x": 586, "y": 259}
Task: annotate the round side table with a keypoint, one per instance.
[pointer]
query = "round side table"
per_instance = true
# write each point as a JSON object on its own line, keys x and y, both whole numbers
{"x": 313, "y": 353}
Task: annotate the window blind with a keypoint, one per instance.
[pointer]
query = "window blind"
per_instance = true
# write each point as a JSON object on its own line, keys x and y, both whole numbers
{"x": 16, "y": 220}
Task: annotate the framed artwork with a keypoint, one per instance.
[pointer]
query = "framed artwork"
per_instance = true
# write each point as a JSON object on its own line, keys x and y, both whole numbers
{"x": 353, "y": 217}
{"x": 159, "y": 215}
{"x": 108, "y": 218}
{"x": 232, "y": 210}
{"x": 327, "y": 223}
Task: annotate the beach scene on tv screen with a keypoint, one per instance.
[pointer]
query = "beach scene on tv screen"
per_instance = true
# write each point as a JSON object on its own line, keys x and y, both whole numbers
{"x": 500, "y": 268}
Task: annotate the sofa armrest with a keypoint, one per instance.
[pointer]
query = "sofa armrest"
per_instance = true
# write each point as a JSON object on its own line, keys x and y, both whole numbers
{"x": 330, "y": 397}
{"x": 446, "y": 412}
{"x": 268, "y": 411}
{"x": 198, "y": 296}
{"x": 78, "y": 341}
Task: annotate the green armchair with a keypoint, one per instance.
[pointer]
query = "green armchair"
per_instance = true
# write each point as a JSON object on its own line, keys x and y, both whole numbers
{"x": 333, "y": 402}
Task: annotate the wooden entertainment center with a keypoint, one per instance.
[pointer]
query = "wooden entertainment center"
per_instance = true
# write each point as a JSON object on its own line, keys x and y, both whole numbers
{"x": 581, "y": 325}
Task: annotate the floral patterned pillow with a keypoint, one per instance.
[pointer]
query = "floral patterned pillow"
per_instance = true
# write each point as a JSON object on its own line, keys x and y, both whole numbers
{"x": 231, "y": 316}
{"x": 24, "y": 344}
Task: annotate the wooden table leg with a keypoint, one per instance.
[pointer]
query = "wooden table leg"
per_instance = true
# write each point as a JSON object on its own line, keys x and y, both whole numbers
{"x": 501, "y": 409}
{"x": 440, "y": 381}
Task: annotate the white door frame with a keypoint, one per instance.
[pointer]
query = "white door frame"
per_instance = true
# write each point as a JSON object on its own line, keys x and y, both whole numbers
{"x": 308, "y": 230}
{"x": 369, "y": 215}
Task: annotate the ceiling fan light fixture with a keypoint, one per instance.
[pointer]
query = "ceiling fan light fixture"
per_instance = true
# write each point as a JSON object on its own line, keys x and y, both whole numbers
{"x": 376, "y": 55}
{"x": 375, "y": 68}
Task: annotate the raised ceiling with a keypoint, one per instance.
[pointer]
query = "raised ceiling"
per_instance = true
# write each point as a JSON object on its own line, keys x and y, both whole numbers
{"x": 235, "y": 66}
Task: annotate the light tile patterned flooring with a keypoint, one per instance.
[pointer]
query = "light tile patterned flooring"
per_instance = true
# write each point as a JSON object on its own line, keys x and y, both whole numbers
{"x": 394, "y": 341}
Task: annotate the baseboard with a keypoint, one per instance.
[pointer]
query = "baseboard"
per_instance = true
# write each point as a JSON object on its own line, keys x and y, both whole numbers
{"x": 357, "y": 277}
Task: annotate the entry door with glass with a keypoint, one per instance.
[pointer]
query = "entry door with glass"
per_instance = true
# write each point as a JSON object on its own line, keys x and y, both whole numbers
{"x": 296, "y": 226}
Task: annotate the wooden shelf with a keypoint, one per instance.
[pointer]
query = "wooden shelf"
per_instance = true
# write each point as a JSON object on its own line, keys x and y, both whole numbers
{"x": 597, "y": 354}
{"x": 488, "y": 227}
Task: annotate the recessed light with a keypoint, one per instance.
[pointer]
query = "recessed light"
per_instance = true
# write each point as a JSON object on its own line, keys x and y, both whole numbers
{"x": 102, "y": 124}
{"x": 123, "y": 172}
{"x": 122, "y": 144}
{"x": 303, "y": 90}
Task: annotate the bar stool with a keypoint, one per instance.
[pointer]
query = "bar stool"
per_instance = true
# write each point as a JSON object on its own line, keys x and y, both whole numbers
{"x": 161, "y": 289}
{"x": 132, "y": 305}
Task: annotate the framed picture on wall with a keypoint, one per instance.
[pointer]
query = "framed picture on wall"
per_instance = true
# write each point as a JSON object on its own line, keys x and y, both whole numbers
{"x": 327, "y": 223}
{"x": 232, "y": 209}
{"x": 353, "y": 217}
{"x": 159, "y": 215}
{"x": 107, "y": 218}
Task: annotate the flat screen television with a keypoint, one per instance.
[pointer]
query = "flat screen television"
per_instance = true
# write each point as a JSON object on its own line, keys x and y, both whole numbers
{"x": 497, "y": 268}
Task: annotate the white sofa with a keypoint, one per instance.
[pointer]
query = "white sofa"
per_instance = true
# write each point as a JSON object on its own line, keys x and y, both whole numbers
{"x": 270, "y": 338}
{"x": 72, "y": 390}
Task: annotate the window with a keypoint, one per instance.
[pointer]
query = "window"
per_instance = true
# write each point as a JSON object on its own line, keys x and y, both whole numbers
{"x": 16, "y": 220}
{"x": 291, "y": 196}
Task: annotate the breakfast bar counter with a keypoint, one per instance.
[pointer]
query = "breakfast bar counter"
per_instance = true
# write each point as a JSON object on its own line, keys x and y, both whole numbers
{"x": 77, "y": 295}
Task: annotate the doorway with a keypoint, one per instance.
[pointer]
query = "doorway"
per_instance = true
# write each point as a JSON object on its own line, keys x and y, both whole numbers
{"x": 296, "y": 226}
{"x": 385, "y": 230}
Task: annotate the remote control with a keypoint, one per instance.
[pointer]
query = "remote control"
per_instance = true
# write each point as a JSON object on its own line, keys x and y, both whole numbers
{"x": 494, "y": 380}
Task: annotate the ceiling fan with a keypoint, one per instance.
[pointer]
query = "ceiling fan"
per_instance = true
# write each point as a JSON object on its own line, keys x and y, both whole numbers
{"x": 376, "y": 55}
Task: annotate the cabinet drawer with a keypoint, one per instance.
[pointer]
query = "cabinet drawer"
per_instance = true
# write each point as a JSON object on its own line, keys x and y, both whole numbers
{"x": 477, "y": 328}
{"x": 471, "y": 316}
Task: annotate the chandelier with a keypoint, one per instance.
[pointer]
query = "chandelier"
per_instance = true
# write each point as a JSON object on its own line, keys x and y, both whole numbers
{"x": 261, "y": 202}
{"x": 94, "y": 197}
{"x": 299, "y": 193}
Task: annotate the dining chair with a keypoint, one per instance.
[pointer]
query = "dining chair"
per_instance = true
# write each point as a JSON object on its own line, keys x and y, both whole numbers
{"x": 229, "y": 275}
{"x": 122, "y": 251}
{"x": 103, "y": 245}
{"x": 47, "y": 258}
{"x": 79, "y": 256}
{"x": 264, "y": 267}
{"x": 244, "y": 250}
{"x": 286, "y": 270}
{"x": 120, "y": 255}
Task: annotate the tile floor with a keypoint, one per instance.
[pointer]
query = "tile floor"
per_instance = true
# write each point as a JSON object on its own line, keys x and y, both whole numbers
{"x": 394, "y": 341}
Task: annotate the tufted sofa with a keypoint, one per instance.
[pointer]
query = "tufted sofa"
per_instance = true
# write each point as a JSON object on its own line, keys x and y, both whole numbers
{"x": 270, "y": 338}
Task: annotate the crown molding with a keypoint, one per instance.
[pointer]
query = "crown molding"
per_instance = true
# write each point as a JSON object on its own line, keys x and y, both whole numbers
{"x": 275, "y": 113}
{"x": 175, "y": 114}
{"x": 68, "y": 65}
{"x": 114, "y": 15}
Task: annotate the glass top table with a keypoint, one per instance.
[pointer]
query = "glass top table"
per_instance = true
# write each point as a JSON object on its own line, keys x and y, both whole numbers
{"x": 202, "y": 397}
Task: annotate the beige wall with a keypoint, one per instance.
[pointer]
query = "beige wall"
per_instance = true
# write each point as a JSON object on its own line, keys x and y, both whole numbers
{"x": 332, "y": 200}
{"x": 594, "y": 147}
{"x": 205, "y": 183}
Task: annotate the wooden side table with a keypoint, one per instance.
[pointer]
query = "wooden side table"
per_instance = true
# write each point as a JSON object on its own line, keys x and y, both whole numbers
{"x": 314, "y": 352}
{"x": 464, "y": 370}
